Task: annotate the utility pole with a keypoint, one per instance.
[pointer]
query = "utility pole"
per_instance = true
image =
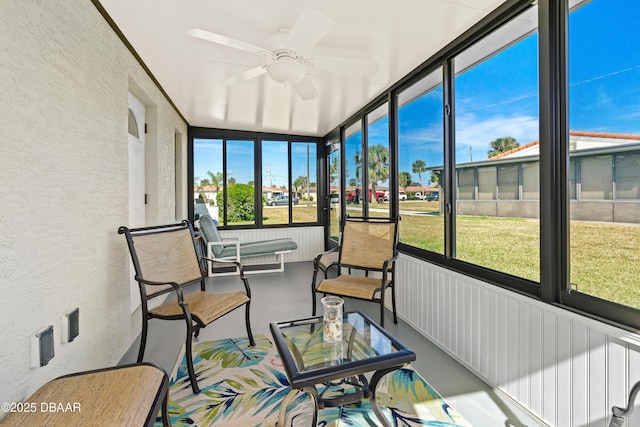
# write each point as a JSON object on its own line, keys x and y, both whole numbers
{"x": 308, "y": 183}
{"x": 270, "y": 175}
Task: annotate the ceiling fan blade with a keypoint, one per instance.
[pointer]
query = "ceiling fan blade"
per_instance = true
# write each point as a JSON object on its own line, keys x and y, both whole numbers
{"x": 305, "y": 89}
{"x": 247, "y": 64}
{"x": 244, "y": 76}
{"x": 227, "y": 41}
{"x": 353, "y": 66}
{"x": 310, "y": 27}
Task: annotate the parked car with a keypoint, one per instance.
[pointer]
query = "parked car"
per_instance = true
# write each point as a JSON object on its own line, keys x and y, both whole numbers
{"x": 282, "y": 201}
{"x": 401, "y": 196}
{"x": 355, "y": 196}
{"x": 434, "y": 195}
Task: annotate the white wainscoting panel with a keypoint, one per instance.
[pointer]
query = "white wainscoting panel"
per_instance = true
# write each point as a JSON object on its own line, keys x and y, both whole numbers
{"x": 567, "y": 369}
{"x": 309, "y": 239}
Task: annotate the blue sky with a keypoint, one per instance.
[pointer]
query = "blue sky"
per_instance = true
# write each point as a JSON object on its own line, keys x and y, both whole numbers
{"x": 499, "y": 97}
{"x": 208, "y": 157}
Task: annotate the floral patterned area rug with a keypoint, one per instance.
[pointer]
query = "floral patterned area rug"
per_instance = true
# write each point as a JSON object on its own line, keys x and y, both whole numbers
{"x": 244, "y": 386}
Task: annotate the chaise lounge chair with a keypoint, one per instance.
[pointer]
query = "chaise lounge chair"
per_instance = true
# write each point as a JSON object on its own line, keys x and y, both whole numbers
{"x": 232, "y": 249}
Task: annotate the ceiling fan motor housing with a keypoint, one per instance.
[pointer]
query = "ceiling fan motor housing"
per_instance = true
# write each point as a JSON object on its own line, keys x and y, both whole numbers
{"x": 287, "y": 66}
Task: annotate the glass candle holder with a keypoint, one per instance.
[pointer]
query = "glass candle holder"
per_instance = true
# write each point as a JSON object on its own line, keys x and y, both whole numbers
{"x": 332, "y": 319}
{"x": 333, "y": 353}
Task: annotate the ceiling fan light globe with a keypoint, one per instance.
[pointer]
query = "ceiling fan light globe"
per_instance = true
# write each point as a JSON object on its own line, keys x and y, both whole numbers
{"x": 287, "y": 72}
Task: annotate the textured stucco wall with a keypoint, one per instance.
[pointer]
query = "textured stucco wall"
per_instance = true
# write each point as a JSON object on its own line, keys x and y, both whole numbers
{"x": 64, "y": 79}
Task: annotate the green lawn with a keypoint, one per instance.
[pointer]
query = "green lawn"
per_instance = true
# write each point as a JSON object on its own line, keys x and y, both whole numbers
{"x": 605, "y": 257}
{"x": 280, "y": 214}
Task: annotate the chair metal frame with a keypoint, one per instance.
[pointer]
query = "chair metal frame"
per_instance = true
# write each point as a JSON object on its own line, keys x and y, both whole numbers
{"x": 196, "y": 265}
{"x": 324, "y": 261}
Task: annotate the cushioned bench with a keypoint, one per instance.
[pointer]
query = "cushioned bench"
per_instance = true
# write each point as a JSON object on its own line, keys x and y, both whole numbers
{"x": 232, "y": 249}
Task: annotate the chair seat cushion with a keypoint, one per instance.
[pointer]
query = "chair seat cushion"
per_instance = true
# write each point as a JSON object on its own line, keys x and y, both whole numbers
{"x": 263, "y": 247}
{"x": 209, "y": 233}
{"x": 204, "y": 306}
{"x": 352, "y": 286}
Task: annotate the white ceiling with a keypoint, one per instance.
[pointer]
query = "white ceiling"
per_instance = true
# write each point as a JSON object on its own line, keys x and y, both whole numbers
{"x": 397, "y": 35}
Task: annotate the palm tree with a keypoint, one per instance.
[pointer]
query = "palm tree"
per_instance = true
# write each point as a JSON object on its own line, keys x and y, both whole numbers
{"x": 404, "y": 180}
{"x": 378, "y": 166}
{"x": 502, "y": 145}
{"x": 300, "y": 182}
{"x": 197, "y": 186}
{"x": 216, "y": 179}
{"x": 419, "y": 167}
{"x": 435, "y": 177}
{"x": 333, "y": 170}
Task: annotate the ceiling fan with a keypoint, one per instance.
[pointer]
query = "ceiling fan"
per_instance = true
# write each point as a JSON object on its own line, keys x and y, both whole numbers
{"x": 288, "y": 63}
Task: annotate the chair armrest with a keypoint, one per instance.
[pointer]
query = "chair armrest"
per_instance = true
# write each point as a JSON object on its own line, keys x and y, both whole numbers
{"x": 316, "y": 261}
{"x": 226, "y": 261}
{"x": 236, "y": 242}
{"x": 240, "y": 268}
{"x": 385, "y": 266}
{"x": 176, "y": 287}
{"x": 227, "y": 242}
{"x": 393, "y": 259}
{"x": 152, "y": 283}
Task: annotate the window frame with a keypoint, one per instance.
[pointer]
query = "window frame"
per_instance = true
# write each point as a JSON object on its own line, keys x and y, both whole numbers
{"x": 258, "y": 137}
{"x": 554, "y": 170}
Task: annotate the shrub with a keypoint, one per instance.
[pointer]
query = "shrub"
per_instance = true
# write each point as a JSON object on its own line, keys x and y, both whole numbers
{"x": 240, "y": 207}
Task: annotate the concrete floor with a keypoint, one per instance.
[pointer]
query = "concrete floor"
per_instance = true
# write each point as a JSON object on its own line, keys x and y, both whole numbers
{"x": 287, "y": 296}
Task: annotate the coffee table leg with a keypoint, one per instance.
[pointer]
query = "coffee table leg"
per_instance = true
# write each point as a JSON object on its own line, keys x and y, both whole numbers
{"x": 313, "y": 395}
{"x": 282, "y": 413}
{"x": 375, "y": 378}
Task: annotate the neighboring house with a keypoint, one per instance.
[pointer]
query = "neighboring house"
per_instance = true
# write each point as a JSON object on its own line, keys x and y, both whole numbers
{"x": 304, "y": 195}
{"x": 604, "y": 182}
{"x": 272, "y": 192}
{"x": 419, "y": 189}
{"x": 208, "y": 192}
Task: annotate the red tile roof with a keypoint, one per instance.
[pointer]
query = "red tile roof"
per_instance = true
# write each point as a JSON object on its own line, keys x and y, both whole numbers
{"x": 572, "y": 133}
{"x": 515, "y": 150}
{"x": 605, "y": 135}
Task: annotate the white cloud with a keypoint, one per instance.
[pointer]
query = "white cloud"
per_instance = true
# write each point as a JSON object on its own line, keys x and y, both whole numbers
{"x": 477, "y": 133}
{"x": 421, "y": 136}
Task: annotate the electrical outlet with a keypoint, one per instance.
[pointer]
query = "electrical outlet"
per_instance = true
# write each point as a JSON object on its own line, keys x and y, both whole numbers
{"x": 70, "y": 325}
{"x": 42, "y": 347}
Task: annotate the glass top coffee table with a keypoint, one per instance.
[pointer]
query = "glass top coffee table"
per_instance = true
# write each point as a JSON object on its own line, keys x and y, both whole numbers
{"x": 309, "y": 361}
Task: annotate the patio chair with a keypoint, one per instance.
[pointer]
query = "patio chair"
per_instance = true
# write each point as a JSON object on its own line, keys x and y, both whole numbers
{"x": 167, "y": 259}
{"x": 367, "y": 251}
